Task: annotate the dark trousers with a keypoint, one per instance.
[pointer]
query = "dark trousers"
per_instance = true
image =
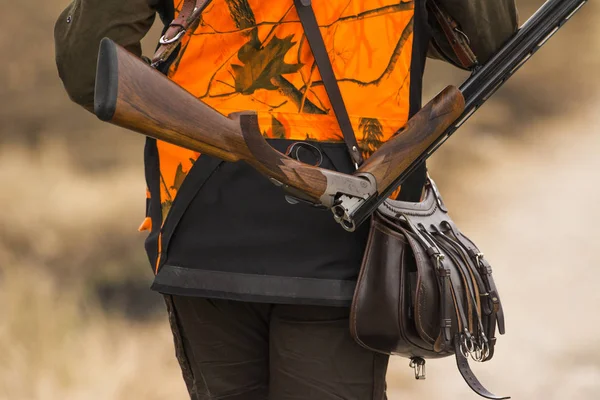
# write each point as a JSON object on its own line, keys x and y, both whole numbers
{"x": 254, "y": 351}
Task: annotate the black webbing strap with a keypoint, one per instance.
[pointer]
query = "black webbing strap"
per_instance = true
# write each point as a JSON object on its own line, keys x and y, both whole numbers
{"x": 317, "y": 46}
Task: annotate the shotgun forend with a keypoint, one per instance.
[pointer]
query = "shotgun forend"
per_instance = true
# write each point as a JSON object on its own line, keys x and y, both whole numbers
{"x": 395, "y": 156}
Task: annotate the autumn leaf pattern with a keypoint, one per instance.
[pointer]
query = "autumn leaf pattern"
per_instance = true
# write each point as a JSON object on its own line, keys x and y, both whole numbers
{"x": 171, "y": 190}
{"x": 278, "y": 129}
{"x": 179, "y": 177}
{"x": 372, "y": 135}
{"x": 253, "y": 55}
{"x": 262, "y": 65}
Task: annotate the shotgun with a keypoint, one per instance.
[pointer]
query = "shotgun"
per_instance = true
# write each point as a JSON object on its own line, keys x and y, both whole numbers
{"x": 131, "y": 94}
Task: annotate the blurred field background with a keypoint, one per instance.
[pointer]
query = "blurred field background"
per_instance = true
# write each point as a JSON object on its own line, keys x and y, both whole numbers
{"x": 77, "y": 320}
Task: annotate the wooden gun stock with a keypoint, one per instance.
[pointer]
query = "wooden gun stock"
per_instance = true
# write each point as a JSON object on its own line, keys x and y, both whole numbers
{"x": 131, "y": 94}
{"x": 392, "y": 162}
{"x": 135, "y": 96}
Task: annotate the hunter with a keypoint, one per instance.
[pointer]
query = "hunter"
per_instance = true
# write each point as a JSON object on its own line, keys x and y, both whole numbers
{"x": 258, "y": 289}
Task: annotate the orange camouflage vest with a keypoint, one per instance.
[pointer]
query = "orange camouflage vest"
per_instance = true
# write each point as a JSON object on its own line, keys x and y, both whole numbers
{"x": 253, "y": 55}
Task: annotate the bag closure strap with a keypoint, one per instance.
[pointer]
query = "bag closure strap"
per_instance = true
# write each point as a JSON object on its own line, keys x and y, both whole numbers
{"x": 486, "y": 272}
{"x": 317, "y": 46}
{"x": 189, "y": 14}
{"x": 461, "y": 339}
{"x": 462, "y": 363}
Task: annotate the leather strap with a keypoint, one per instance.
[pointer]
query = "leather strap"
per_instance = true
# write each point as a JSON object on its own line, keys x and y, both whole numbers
{"x": 486, "y": 274}
{"x": 317, "y": 46}
{"x": 189, "y": 14}
{"x": 471, "y": 278}
{"x": 465, "y": 370}
{"x": 467, "y": 287}
{"x": 485, "y": 271}
{"x": 443, "y": 274}
{"x": 456, "y": 38}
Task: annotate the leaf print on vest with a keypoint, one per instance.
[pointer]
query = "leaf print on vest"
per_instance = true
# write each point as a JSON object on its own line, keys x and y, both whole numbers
{"x": 172, "y": 189}
{"x": 372, "y": 135}
{"x": 262, "y": 65}
{"x": 263, "y": 61}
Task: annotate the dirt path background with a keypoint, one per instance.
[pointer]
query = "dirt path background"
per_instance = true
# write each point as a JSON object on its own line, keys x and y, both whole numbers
{"x": 78, "y": 322}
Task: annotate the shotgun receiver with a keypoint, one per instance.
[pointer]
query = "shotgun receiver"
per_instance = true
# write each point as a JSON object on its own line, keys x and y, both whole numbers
{"x": 131, "y": 94}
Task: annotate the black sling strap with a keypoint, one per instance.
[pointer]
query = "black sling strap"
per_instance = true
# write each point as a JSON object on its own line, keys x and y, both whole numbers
{"x": 317, "y": 45}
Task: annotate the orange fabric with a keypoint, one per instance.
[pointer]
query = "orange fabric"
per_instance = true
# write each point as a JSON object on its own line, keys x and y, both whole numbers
{"x": 146, "y": 225}
{"x": 159, "y": 253}
{"x": 253, "y": 55}
{"x": 175, "y": 163}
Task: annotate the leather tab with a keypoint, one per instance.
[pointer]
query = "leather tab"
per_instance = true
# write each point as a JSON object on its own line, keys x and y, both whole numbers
{"x": 465, "y": 370}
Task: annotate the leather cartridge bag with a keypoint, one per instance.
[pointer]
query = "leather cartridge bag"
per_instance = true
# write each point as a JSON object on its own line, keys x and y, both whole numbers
{"x": 425, "y": 290}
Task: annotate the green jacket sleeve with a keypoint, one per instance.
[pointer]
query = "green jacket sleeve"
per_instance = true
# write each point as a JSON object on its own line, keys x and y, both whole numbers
{"x": 487, "y": 24}
{"x": 77, "y": 36}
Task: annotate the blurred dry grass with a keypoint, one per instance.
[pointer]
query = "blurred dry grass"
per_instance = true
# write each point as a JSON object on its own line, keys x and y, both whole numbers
{"x": 56, "y": 343}
{"x": 77, "y": 320}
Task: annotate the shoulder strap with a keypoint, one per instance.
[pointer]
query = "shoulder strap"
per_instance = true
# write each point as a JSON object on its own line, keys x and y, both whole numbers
{"x": 457, "y": 39}
{"x": 190, "y": 12}
{"x": 317, "y": 46}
